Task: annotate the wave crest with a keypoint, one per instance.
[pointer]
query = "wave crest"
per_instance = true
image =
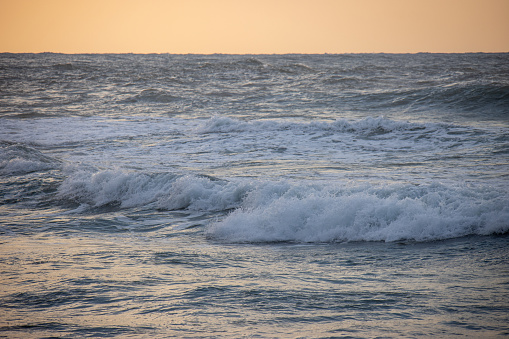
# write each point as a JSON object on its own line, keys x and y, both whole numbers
{"x": 163, "y": 191}
{"x": 19, "y": 159}
{"x": 366, "y": 126}
{"x": 153, "y": 95}
{"x": 366, "y": 214}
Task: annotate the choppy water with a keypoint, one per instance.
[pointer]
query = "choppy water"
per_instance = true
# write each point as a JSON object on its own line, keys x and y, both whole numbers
{"x": 254, "y": 196}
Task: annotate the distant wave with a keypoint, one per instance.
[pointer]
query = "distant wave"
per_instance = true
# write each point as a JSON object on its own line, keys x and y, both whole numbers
{"x": 461, "y": 85}
{"x": 439, "y": 134}
{"x": 465, "y": 97}
{"x": 64, "y": 67}
{"x": 256, "y": 65}
{"x": 379, "y": 125}
{"x": 153, "y": 95}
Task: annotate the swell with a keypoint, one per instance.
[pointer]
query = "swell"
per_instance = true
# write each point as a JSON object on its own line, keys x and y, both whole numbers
{"x": 457, "y": 97}
{"x": 313, "y": 83}
{"x": 153, "y": 95}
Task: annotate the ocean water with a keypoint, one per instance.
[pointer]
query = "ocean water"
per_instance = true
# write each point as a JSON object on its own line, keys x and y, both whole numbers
{"x": 254, "y": 196}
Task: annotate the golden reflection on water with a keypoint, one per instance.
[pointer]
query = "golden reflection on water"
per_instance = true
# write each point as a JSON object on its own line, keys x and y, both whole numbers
{"x": 129, "y": 285}
{"x": 107, "y": 286}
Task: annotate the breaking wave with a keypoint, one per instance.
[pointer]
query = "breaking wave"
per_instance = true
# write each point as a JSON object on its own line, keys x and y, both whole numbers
{"x": 393, "y": 213}
{"x": 163, "y": 191}
{"x": 302, "y": 212}
{"x": 19, "y": 159}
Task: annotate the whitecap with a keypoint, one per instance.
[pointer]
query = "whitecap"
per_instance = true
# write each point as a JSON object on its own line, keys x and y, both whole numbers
{"x": 364, "y": 213}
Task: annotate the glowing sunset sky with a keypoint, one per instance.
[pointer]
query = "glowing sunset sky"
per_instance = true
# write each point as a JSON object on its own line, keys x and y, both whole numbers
{"x": 254, "y": 26}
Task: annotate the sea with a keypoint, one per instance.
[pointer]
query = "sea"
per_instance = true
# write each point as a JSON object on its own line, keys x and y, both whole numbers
{"x": 254, "y": 196}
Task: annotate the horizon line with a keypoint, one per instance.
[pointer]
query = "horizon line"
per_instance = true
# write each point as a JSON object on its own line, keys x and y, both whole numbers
{"x": 219, "y": 53}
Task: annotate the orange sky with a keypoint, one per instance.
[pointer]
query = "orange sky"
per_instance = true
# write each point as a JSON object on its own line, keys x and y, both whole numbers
{"x": 254, "y": 26}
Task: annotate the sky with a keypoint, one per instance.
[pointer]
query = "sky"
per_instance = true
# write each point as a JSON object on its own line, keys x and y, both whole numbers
{"x": 254, "y": 26}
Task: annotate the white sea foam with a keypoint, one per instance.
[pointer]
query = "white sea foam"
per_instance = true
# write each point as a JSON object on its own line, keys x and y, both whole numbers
{"x": 370, "y": 125}
{"x": 203, "y": 193}
{"x": 311, "y": 214}
{"x": 114, "y": 187}
{"x": 375, "y": 128}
